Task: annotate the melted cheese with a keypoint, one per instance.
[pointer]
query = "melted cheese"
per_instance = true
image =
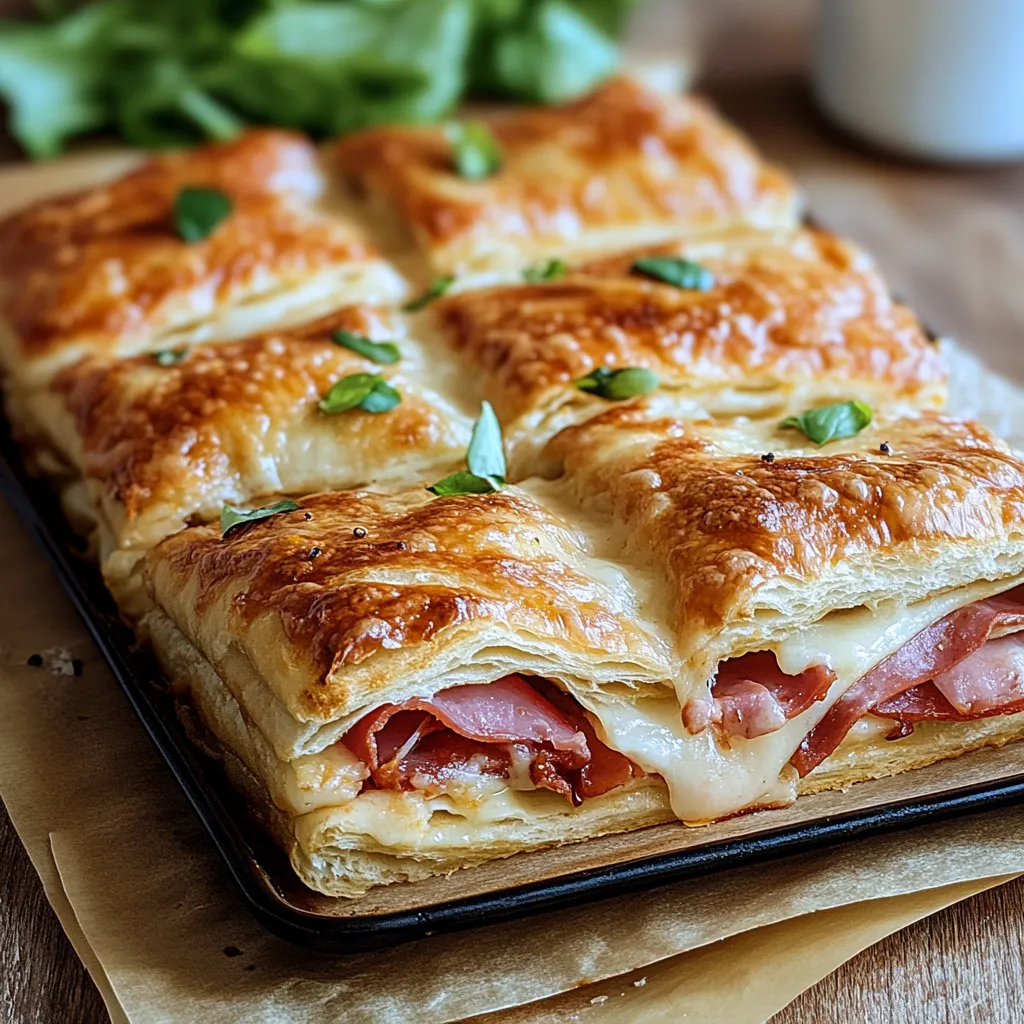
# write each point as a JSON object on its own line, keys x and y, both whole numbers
{"x": 710, "y": 779}
{"x": 333, "y": 776}
{"x": 412, "y": 820}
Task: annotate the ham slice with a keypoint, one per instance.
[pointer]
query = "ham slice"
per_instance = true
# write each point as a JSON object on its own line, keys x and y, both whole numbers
{"x": 507, "y": 710}
{"x": 988, "y": 682}
{"x": 925, "y": 703}
{"x": 607, "y": 769}
{"x": 989, "y": 678}
{"x": 488, "y": 729}
{"x": 931, "y": 655}
{"x": 752, "y": 696}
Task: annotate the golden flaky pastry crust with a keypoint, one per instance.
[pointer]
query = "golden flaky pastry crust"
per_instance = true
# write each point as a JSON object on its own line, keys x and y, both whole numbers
{"x": 623, "y": 166}
{"x": 756, "y": 531}
{"x": 169, "y": 444}
{"x": 104, "y": 271}
{"x": 793, "y": 318}
{"x": 404, "y": 594}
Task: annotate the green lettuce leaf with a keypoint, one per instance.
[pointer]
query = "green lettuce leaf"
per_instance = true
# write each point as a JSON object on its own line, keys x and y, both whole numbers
{"x": 558, "y": 55}
{"x": 53, "y": 76}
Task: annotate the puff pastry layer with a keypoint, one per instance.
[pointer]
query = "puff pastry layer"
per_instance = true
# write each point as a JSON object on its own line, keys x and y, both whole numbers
{"x": 148, "y": 449}
{"x": 406, "y": 594}
{"x": 103, "y": 272}
{"x": 619, "y": 168}
{"x": 794, "y": 319}
{"x": 754, "y": 531}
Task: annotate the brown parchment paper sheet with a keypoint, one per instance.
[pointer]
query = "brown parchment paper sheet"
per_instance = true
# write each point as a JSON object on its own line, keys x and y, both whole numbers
{"x": 151, "y": 911}
{"x": 745, "y": 979}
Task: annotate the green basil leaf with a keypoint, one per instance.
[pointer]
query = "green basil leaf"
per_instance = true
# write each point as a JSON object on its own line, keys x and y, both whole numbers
{"x": 485, "y": 459}
{"x": 552, "y": 270}
{"x": 475, "y": 151}
{"x": 170, "y": 356}
{"x": 831, "y": 422}
{"x": 230, "y": 517}
{"x": 198, "y": 211}
{"x": 375, "y": 351}
{"x": 366, "y": 391}
{"x": 383, "y": 398}
{"x": 618, "y": 385}
{"x": 679, "y": 272}
{"x": 485, "y": 456}
{"x": 464, "y": 482}
{"x": 437, "y": 288}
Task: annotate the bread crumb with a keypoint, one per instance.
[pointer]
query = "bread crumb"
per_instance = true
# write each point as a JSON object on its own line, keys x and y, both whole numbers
{"x": 59, "y": 661}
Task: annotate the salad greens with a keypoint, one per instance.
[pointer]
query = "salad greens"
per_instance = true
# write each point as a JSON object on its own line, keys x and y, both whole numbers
{"x": 171, "y": 73}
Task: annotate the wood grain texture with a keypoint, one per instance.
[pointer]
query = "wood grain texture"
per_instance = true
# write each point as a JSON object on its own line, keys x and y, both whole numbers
{"x": 963, "y": 964}
{"x": 42, "y": 981}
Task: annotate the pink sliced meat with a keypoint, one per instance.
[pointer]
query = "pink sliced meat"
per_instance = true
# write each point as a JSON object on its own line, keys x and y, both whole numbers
{"x": 752, "y": 696}
{"x": 478, "y": 729}
{"x": 508, "y": 710}
{"x": 925, "y": 703}
{"x": 929, "y": 655}
{"x": 988, "y": 682}
{"x": 990, "y": 677}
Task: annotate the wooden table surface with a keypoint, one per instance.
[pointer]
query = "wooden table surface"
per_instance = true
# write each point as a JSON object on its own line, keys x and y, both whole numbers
{"x": 963, "y": 964}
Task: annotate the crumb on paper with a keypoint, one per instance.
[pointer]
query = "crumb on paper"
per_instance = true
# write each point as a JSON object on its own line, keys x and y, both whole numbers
{"x": 640, "y": 982}
{"x": 59, "y": 661}
{"x": 598, "y": 1000}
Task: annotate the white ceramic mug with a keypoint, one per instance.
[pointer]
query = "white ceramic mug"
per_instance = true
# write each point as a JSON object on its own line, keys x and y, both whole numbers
{"x": 939, "y": 79}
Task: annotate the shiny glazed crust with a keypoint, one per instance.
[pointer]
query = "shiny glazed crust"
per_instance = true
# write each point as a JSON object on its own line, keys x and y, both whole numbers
{"x": 103, "y": 272}
{"x": 624, "y": 166}
{"x": 438, "y": 591}
{"x": 162, "y": 446}
{"x": 794, "y": 319}
{"x": 754, "y": 530}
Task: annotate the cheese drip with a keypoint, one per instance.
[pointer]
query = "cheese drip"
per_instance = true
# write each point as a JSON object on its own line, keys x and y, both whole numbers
{"x": 708, "y": 778}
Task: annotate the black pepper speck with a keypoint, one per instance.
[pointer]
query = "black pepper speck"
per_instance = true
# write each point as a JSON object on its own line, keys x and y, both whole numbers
{"x": 232, "y": 951}
{"x": 884, "y": 448}
{"x": 359, "y": 532}
{"x": 35, "y": 660}
{"x": 768, "y": 457}
{"x": 313, "y": 552}
{"x": 307, "y": 516}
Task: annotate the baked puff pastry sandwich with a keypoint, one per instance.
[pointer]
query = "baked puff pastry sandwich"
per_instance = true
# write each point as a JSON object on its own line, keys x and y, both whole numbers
{"x": 145, "y": 446}
{"x": 221, "y": 242}
{"x": 841, "y": 612}
{"x": 391, "y": 677}
{"x": 619, "y": 168}
{"x": 745, "y": 323}
{"x": 737, "y": 615}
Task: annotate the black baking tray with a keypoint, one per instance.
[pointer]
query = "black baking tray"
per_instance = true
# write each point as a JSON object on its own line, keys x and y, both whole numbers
{"x": 261, "y": 871}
